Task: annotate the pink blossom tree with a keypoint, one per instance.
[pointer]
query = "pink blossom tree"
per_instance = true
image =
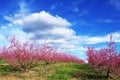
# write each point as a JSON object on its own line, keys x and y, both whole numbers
{"x": 105, "y": 60}
{"x": 20, "y": 55}
{"x": 25, "y": 55}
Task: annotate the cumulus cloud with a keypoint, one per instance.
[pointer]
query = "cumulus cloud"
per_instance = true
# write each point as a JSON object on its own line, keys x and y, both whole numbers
{"x": 45, "y": 26}
{"x": 100, "y": 39}
{"x": 39, "y": 21}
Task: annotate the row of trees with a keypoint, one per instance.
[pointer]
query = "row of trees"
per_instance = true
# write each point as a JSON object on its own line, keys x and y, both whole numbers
{"x": 106, "y": 60}
{"x": 22, "y": 56}
{"x": 27, "y": 55}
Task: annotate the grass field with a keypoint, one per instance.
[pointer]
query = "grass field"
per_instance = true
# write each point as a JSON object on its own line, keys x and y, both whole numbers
{"x": 52, "y": 71}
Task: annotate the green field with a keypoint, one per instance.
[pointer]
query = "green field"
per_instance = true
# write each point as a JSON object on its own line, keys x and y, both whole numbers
{"x": 52, "y": 71}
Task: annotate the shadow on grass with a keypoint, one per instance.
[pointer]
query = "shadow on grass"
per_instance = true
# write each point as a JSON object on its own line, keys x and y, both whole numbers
{"x": 86, "y": 73}
{"x": 5, "y": 70}
{"x": 89, "y": 76}
{"x": 59, "y": 77}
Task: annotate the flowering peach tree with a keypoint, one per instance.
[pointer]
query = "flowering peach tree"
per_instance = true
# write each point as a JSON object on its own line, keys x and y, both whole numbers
{"x": 20, "y": 55}
{"x": 26, "y": 55}
{"x": 106, "y": 60}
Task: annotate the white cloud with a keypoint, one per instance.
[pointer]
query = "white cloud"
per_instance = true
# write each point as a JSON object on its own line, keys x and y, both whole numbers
{"x": 100, "y": 39}
{"x": 116, "y": 36}
{"x": 40, "y": 21}
{"x": 96, "y": 40}
{"x": 20, "y": 35}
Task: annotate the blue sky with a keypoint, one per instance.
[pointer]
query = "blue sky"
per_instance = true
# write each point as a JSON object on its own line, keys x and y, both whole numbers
{"x": 68, "y": 25}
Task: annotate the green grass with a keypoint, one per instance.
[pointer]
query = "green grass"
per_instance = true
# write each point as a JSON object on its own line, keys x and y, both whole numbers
{"x": 3, "y": 62}
{"x": 53, "y": 71}
{"x": 86, "y": 73}
{"x": 73, "y": 70}
{"x": 59, "y": 77}
{"x": 4, "y": 68}
{"x": 65, "y": 71}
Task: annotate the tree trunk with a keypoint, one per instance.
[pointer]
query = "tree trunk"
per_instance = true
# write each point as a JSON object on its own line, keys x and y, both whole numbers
{"x": 108, "y": 74}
